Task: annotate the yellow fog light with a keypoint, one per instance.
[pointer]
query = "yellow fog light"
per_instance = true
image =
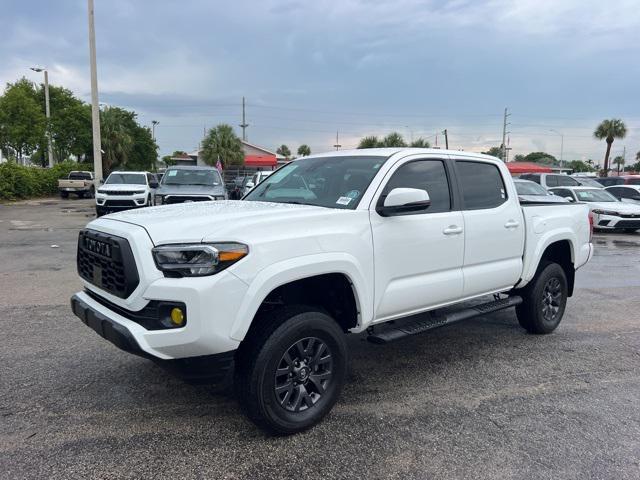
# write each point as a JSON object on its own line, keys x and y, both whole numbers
{"x": 177, "y": 317}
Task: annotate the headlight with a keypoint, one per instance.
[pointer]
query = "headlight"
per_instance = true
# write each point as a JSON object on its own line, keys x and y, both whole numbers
{"x": 606, "y": 212}
{"x": 198, "y": 260}
{"x": 158, "y": 199}
{"x": 101, "y": 191}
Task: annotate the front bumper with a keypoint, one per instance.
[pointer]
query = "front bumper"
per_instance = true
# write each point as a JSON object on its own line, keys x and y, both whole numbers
{"x": 215, "y": 369}
{"x": 118, "y": 203}
{"x": 611, "y": 222}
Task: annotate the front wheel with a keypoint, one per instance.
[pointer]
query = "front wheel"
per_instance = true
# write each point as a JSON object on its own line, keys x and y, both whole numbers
{"x": 544, "y": 300}
{"x": 290, "y": 369}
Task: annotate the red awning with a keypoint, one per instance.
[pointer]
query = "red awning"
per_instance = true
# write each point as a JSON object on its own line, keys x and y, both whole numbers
{"x": 260, "y": 161}
{"x": 526, "y": 167}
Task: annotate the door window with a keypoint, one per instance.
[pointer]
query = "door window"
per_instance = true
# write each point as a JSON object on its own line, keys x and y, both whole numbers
{"x": 482, "y": 185}
{"x": 551, "y": 181}
{"x": 566, "y": 181}
{"x": 429, "y": 175}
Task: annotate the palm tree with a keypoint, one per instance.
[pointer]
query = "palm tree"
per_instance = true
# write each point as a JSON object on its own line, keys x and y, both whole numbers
{"x": 420, "y": 143}
{"x": 619, "y": 162}
{"x": 116, "y": 140}
{"x": 221, "y": 143}
{"x": 609, "y": 130}
{"x": 638, "y": 155}
{"x": 304, "y": 150}
{"x": 284, "y": 151}
{"x": 369, "y": 142}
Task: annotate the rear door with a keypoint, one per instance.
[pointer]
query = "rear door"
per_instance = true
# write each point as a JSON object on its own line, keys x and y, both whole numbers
{"x": 418, "y": 256}
{"x": 494, "y": 228}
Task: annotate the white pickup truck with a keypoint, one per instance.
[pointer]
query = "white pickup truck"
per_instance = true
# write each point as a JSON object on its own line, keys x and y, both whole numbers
{"x": 264, "y": 289}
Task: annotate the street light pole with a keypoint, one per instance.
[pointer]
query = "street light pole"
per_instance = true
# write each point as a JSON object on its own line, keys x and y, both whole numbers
{"x": 47, "y": 112}
{"x": 95, "y": 106}
{"x": 561, "y": 145}
{"x": 153, "y": 129}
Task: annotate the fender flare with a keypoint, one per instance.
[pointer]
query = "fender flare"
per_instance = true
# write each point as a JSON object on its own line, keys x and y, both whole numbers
{"x": 298, "y": 268}
{"x": 543, "y": 242}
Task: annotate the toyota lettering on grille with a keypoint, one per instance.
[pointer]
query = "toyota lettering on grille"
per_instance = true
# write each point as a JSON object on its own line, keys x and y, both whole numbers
{"x": 98, "y": 247}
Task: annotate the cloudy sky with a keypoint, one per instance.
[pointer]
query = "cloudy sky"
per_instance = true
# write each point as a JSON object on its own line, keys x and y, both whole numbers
{"x": 309, "y": 68}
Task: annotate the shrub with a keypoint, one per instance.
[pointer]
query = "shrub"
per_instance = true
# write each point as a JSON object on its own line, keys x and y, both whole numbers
{"x": 19, "y": 182}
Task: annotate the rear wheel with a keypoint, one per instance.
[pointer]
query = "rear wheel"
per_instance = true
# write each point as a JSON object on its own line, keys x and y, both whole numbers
{"x": 64, "y": 194}
{"x": 290, "y": 369}
{"x": 544, "y": 300}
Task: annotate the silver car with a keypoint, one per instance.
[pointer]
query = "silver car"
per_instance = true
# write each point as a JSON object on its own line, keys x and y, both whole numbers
{"x": 190, "y": 184}
{"x": 529, "y": 191}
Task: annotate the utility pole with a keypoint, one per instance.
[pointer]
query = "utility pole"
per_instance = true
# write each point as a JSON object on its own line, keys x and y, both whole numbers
{"x": 153, "y": 129}
{"x": 95, "y": 107}
{"x": 47, "y": 112}
{"x": 337, "y": 145}
{"x": 244, "y": 123}
{"x": 504, "y": 136}
{"x": 446, "y": 139}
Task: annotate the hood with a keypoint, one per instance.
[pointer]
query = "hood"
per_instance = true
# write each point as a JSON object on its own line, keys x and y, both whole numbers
{"x": 620, "y": 207}
{"x": 120, "y": 186}
{"x": 190, "y": 190}
{"x": 225, "y": 220}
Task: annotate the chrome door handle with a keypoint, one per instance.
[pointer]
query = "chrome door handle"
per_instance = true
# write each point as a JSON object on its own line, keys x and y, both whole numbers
{"x": 452, "y": 230}
{"x": 512, "y": 224}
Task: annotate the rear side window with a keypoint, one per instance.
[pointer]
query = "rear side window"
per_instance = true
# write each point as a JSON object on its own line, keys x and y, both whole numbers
{"x": 531, "y": 176}
{"x": 551, "y": 180}
{"x": 633, "y": 181}
{"x": 482, "y": 185}
{"x": 429, "y": 175}
{"x": 567, "y": 181}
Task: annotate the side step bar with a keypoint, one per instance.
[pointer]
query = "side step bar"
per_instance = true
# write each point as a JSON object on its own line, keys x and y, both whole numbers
{"x": 434, "y": 320}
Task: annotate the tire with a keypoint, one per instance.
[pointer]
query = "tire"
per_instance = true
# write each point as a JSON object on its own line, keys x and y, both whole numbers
{"x": 99, "y": 212}
{"x": 64, "y": 195}
{"x": 302, "y": 393}
{"x": 630, "y": 230}
{"x": 92, "y": 193}
{"x": 544, "y": 300}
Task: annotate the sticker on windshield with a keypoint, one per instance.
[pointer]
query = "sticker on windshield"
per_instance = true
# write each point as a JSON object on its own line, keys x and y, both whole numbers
{"x": 353, "y": 194}
{"x": 343, "y": 201}
{"x": 172, "y": 173}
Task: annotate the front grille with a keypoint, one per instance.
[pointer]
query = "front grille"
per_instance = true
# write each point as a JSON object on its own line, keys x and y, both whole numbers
{"x": 628, "y": 224}
{"x": 181, "y": 199}
{"x": 112, "y": 267}
{"x": 630, "y": 215}
{"x": 120, "y": 203}
{"x": 122, "y": 192}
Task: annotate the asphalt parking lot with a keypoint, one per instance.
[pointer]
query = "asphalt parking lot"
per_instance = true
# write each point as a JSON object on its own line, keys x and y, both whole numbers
{"x": 479, "y": 399}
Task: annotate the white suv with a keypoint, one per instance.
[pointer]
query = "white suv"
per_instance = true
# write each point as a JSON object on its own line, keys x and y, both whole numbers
{"x": 125, "y": 190}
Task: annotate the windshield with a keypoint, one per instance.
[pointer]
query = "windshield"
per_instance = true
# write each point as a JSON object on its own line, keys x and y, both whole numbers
{"x": 126, "y": 179}
{"x": 334, "y": 182}
{"x": 588, "y": 182}
{"x": 530, "y": 188}
{"x": 176, "y": 176}
{"x": 595, "y": 195}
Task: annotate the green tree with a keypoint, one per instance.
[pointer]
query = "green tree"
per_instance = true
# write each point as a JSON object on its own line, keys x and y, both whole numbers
{"x": 222, "y": 143}
{"x": 144, "y": 153}
{"x": 494, "y": 152}
{"x": 394, "y": 139}
{"x": 609, "y": 130}
{"x": 176, "y": 153}
{"x": 117, "y": 140}
{"x": 70, "y": 123}
{"x": 638, "y": 156}
{"x": 304, "y": 150}
{"x": 540, "y": 157}
{"x": 518, "y": 158}
{"x": 22, "y": 121}
{"x": 284, "y": 151}
{"x": 579, "y": 166}
{"x": 369, "y": 142}
{"x": 420, "y": 143}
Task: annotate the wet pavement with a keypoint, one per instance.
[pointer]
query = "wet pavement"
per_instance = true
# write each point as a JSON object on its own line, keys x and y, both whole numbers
{"x": 479, "y": 399}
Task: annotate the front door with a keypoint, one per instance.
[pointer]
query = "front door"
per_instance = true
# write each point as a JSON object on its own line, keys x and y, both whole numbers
{"x": 418, "y": 256}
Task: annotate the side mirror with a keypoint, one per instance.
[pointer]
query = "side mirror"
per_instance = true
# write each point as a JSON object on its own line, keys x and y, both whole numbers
{"x": 153, "y": 184}
{"x": 404, "y": 200}
{"x": 250, "y": 185}
{"x": 570, "y": 199}
{"x": 101, "y": 181}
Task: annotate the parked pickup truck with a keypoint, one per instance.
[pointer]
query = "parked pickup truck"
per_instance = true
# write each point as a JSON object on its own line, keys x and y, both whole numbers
{"x": 78, "y": 182}
{"x": 264, "y": 289}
